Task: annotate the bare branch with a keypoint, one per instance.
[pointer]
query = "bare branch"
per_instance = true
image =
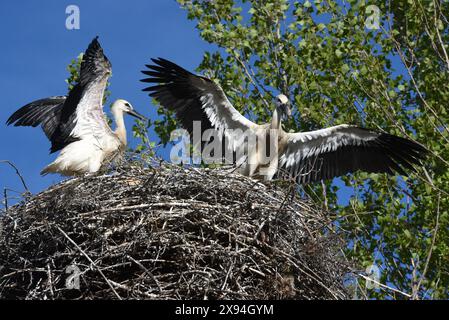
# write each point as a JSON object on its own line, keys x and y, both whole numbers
{"x": 18, "y": 173}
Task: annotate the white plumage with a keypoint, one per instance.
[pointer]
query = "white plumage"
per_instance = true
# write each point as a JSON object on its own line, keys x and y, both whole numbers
{"x": 97, "y": 143}
{"x": 305, "y": 156}
{"x": 76, "y": 125}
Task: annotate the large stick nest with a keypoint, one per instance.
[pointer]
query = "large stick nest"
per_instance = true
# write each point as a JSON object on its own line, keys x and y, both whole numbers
{"x": 167, "y": 232}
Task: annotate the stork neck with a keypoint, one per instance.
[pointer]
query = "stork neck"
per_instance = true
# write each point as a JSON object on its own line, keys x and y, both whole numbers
{"x": 276, "y": 120}
{"x": 120, "y": 129}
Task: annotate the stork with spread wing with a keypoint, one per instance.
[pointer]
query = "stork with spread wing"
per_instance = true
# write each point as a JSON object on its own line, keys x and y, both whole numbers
{"x": 306, "y": 156}
{"x": 76, "y": 124}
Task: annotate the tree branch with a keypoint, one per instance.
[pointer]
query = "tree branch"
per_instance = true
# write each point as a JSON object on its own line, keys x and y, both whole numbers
{"x": 18, "y": 173}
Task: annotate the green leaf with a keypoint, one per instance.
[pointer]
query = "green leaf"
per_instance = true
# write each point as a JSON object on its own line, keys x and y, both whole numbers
{"x": 345, "y": 68}
{"x": 338, "y": 53}
{"x": 408, "y": 234}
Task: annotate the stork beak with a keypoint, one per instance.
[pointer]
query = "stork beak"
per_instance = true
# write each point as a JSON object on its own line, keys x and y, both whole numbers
{"x": 287, "y": 111}
{"x": 136, "y": 114}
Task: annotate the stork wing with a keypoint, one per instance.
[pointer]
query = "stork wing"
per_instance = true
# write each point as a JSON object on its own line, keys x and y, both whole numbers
{"x": 45, "y": 112}
{"x": 327, "y": 153}
{"x": 67, "y": 119}
{"x": 82, "y": 113}
{"x": 194, "y": 98}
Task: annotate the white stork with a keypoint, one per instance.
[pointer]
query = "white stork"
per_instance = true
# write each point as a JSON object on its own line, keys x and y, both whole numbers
{"x": 76, "y": 124}
{"x": 306, "y": 156}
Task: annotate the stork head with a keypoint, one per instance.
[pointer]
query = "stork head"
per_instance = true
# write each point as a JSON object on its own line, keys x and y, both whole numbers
{"x": 121, "y": 105}
{"x": 283, "y": 106}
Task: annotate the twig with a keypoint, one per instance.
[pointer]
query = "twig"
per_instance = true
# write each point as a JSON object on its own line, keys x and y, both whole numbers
{"x": 18, "y": 173}
{"x": 91, "y": 261}
{"x": 5, "y": 195}
{"x": 146, "y": 271}
{"x": 384, "y": 285}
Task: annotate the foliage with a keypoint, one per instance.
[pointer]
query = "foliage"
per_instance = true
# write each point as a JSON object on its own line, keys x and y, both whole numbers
{"x": 338, "y": 66}
{"x": 146, "y": 147}
{"x": 74, "y": 69}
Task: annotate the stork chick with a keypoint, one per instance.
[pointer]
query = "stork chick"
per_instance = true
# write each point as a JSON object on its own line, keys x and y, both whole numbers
{"x": 76, "y": 124}
{"x": 305, "y": 156}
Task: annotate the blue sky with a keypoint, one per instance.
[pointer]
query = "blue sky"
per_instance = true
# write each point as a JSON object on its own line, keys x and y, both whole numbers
{"x": 37, "y": 47}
